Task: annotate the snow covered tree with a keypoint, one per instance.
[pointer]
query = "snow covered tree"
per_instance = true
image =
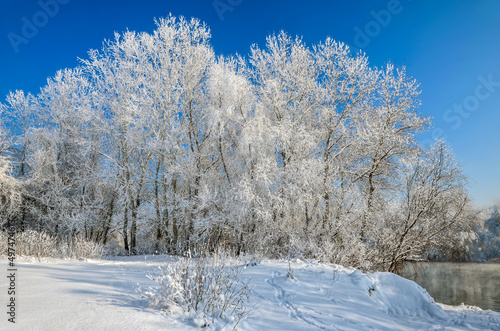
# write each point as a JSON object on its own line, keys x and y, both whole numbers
{"x": 62, "y": 187}
{"x": 10, "y": 190}
{"x": 435, "y": 209}
{"x": 388, "y": 127}
{"x": 283, "y": 138}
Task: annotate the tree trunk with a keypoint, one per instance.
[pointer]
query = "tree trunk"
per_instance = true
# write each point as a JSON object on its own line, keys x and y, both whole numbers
{"x": 107, "y": 221}
{"x": 125, "y": 230}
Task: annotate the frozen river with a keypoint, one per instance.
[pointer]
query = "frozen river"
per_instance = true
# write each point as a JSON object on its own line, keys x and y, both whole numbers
{"x": 476, "y": 284}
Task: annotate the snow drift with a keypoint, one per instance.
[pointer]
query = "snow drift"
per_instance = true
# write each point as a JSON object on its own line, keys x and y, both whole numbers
{"x": 100, "y": 294}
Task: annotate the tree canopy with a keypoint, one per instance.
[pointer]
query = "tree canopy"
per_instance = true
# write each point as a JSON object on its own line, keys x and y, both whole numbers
{"x": 158, "y": 143}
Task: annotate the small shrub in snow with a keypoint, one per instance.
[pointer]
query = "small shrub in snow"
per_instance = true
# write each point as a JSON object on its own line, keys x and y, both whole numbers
{"x": 205, "y": 288}
{"x": 42, "y": 244}
{"x": 335, "y": 275}
{"x": 290, "y": 271}
{"x": 113, "y": 248}
{"x": 78, "y": 247}
{"x": 253, "y": 262}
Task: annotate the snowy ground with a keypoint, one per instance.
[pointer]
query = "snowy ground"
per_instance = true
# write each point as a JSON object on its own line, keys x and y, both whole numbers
{"x": 100, "y": 295}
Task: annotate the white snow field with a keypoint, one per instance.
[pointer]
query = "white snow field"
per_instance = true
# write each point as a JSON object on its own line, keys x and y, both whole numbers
{"x": 55, "y": 294}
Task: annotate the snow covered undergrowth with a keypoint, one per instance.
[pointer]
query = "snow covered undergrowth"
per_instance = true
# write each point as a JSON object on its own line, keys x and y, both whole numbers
{"x": 100, "y": 295}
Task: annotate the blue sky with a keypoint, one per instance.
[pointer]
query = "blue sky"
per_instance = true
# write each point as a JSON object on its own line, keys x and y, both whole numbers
{"x": 452, "y": 48}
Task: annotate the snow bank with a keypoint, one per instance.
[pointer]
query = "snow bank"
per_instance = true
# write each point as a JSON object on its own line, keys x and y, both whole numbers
{"x": 402, "y": 297}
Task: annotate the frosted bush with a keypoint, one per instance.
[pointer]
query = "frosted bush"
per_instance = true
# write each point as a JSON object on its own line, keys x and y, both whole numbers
{"x": 42, "y": 244}
{"x": 113, "y": 248}
{"x": 205, "y": 288}
{"x": 81, "y": 248}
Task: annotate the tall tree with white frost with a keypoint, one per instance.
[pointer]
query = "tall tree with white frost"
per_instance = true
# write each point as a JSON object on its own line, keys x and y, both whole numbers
{"x": 10, "y": 190}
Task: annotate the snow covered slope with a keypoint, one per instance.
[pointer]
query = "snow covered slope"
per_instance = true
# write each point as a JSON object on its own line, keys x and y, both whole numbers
{"x": 99, "y": 295}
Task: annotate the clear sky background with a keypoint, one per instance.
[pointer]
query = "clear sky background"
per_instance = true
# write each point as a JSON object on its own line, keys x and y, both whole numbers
{"x": 452, "y": 48}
